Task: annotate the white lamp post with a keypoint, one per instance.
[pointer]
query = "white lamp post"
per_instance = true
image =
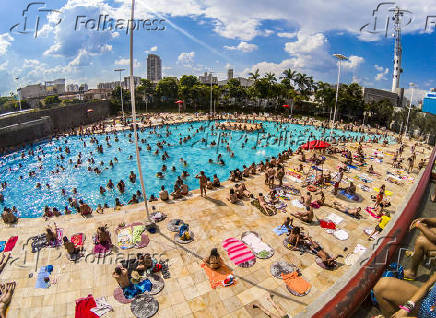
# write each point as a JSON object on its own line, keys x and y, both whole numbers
{"x": 211, "y": 77}
{"x": 132, "y": 94}
{"x": 121, "y": 89}
{"x": 410, "y": 107}
{"x": 340, "y": 58}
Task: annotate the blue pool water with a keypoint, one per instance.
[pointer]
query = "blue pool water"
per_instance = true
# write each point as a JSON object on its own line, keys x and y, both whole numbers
{"x": 30, "y": 201}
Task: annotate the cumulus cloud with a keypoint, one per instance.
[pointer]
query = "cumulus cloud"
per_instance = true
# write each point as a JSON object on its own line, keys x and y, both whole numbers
{"x": 186, "y": 59}
{"x": 289, "y": 35}
{"x": 243, "y": 47}
{"x": 5, "y": 42}
{"x": 382, "y": 72}
{"x": 126, "y": 62}
{"x": 352, "y": 63}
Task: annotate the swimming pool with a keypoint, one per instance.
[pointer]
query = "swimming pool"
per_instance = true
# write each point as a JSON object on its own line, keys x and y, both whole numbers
{"x": 30, "y": 201}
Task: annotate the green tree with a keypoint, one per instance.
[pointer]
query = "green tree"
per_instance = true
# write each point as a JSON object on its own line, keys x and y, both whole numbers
{"x": 50, "y": 100}
{"x": 167, "y": 87}
{"x": 325, "y": 95}
{"x": 380, "y": 113}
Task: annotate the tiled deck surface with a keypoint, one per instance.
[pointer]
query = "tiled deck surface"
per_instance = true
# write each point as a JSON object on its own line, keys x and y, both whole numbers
{"x": 187, "y": 293}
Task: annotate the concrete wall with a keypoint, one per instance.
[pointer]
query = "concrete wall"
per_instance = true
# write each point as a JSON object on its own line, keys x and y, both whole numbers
{"x": 26, "y": 127}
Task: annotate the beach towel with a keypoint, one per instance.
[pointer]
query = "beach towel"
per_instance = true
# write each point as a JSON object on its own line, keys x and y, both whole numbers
{"x": 137, "y": 233}
{"x": 335, "y": 218}
{"x": 387, "y": 192}
{"x": 38, "y": 242}
{"x": 144, "y": 306}
{"x": 326, "y": 224}
{"x": 119, "y": 296}
{"x": 297, "y": 203}
{"x": 2, "y": 246}
{"x": 59, "y": 238}
{"x": 280, "y": 229}
{"x": 217, "y": 276}
{"x": 370, "y": 210}
{"x": 282, "y": 267}
{"x": 315, "y": 205}
{"x": 259, "y": 248}
{"x": 101, "y": 249}
{"x": 10, "y": 244}
{"x": 256, "y": 204}
{"x": 84, "y": 306}
{"x": 124, "y": 238}
{"x": 238, "y": 252}
{"x": 158, "y": 216}
{"x": 135, "y": 289}
{"x": 296, "y": 284}
{"x": 103, "y": 307}
{"x": 352, "y": 167}
{"x": 353, "y": 197}
{"x": 44, "y": 272}
{"x": 341, "y": 235}
{"x": 78, "y": 239}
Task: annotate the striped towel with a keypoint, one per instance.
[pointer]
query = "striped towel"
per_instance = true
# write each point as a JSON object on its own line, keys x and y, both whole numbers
{"x": 238, "y": 252}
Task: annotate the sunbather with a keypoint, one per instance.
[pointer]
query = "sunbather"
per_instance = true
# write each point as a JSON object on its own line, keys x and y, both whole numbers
{"x": 70, "y": 248}
{"x": 306, "y": 216}
{"x": 4, "y": 261}
{"x": 327, "y": 260}
{"x": 50, "y": 233}
{"x": 288, "y": 223}
{"x": 355, "y": 212}
{"x": 281, "y": 313}
{"x": 7, "y": 290}
{"x": 295, "y": 238}
{"x": 121, "y": 275}
{"x": 103, "y": 236}
{"x": 262, "y": 203}
{"x": 214, "y": 260}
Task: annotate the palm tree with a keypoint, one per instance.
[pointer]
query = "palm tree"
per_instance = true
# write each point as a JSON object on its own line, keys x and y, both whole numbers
{"x": 271, "y": 77}
{"x": 254, "y": 76}
{"x": 289, "y": 75}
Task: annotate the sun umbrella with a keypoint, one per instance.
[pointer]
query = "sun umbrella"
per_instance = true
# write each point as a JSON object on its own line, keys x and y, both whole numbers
{"x": 285, "y": 106}
{"x": 90, "y": 110}
{"x": 315, "y": 144}
{"x": 179, "y": 102}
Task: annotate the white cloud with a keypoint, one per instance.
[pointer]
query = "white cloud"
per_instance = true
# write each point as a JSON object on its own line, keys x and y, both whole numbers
{"x": 308, "y": 54}
{"x": 153, "y": 49}
{"x": 305, "y": 43}
{"x": 5, "y": 42}
{"x": 289, "y": 35}
{"x": 418, "y": 94}
{"x": 3, "y": 66}
{"x": 126, "y": 62}
{"x": 382, "y": 72}
{"x": 186, "y": 59}
{"x": 243, "y": 47}
{"x": 353, "y": 62}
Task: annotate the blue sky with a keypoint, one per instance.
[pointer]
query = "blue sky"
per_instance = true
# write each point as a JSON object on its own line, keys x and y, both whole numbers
{"x": 213, "y": 35}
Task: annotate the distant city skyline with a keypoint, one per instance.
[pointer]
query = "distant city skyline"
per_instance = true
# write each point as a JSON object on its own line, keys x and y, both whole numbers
{"x": 204, "y": 37}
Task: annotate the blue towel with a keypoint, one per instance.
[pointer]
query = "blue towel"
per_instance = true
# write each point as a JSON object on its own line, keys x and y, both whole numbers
{"x": 183, "y": 228}
{"x": 281, "y": 229}
{"x": 44, "y": 272}
{"x": 2, "y": 246}
{"x": 316, "y": 168}
{"x": 352, "y": 167}
{"x": 135, "y": 289}
{"x": 353, "y": 197}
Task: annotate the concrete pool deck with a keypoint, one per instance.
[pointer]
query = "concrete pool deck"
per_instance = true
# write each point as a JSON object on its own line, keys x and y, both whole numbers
{"x": 187, "y": 293}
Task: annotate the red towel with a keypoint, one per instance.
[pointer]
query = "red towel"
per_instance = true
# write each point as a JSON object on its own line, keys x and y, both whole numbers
{"x": 327, "y": 225}
{"x": 10, "y": 244}
{"x": 77, "y": 239}
{"x": 84, "y": 306}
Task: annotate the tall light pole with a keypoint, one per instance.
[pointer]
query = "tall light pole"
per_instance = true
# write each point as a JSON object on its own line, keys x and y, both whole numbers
{"x": 19, "y": 91}
{"x": 410, "y": 107}
{"x": 340, "y": 58}
{"x": 132, "y": 95}
{"x": 211, "y": 77}
{"x": 121, "y": 90}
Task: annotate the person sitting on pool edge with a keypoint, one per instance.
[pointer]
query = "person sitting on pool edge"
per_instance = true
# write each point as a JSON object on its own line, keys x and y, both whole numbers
{"x": 84, "y": 209}
{"x": 216, "y": 181}
{"x": 8, "y": 216}
{"x": 213, "y": 261}
{"x": 163, "y": 194}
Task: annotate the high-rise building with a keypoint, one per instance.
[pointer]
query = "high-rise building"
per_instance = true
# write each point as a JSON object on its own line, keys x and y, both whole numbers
{"x": 229, "y": 73}
{"x": 154, "y": 68}
{"x": 136, "y": 81}
{"x": 72, "y": 88}
{"x": 207, "y": 78}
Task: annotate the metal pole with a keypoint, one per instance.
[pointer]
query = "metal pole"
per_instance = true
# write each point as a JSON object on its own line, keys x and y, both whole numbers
{"x": 121, "y": 91}
{"x": 132, "y": 94}
{"x": 408, "y": 113}
{"x": 210, "y": 74}
{"x": 336, "y": 100}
